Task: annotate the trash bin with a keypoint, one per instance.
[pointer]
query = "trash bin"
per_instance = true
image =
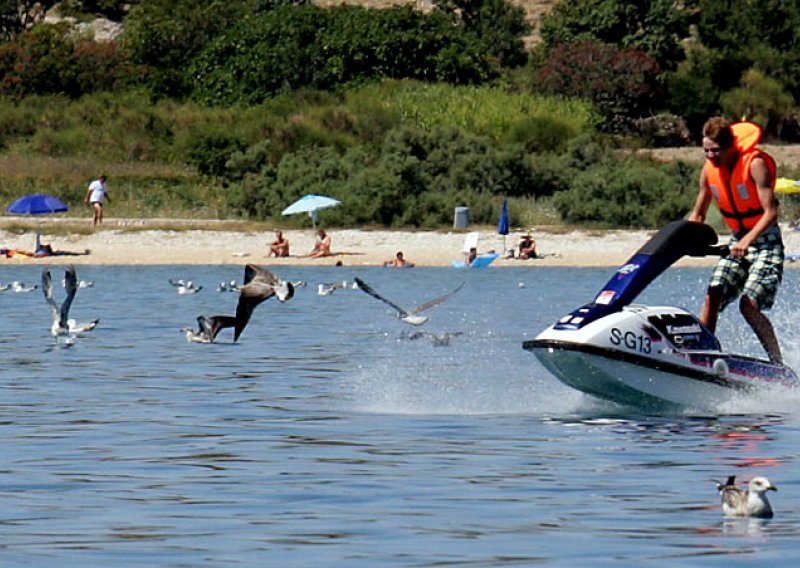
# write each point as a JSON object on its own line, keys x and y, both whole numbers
{"x": 461, "y": 220}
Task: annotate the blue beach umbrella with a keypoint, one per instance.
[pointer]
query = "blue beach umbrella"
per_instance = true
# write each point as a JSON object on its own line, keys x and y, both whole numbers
{"x": 502, "y": 224}
{"x": 37, "y": 204}
{"x": 311, "y": 204}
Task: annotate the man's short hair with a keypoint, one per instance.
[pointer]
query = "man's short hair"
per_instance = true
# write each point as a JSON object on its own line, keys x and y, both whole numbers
{"x": 719, "y": 130}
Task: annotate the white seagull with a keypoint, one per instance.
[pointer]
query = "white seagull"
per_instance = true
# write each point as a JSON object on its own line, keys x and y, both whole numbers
{"x": 185, "y": 287}
{"x": 81, "y": 283}
{"x": 76, "y": 328}
{"x": 20, "y": 287}
{"x": 208, "y": 328}
{"x": 259, "y": 285}
{"x": 752, "y": 502}
{"x": 408, "y": 316}
{"x": 326, "y": 289}
{"x": 60, "y": 313}
{"x": 231, "y": 286}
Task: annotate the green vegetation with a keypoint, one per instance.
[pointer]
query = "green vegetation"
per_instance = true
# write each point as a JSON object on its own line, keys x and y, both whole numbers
{"x": 233, "y": 109}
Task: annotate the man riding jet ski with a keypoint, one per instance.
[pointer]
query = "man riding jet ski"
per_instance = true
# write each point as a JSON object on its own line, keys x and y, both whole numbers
{"x": 740, "y": 179}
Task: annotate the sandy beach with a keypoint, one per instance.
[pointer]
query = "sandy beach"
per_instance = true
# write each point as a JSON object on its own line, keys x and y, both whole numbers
{"x": 126, "y": 241}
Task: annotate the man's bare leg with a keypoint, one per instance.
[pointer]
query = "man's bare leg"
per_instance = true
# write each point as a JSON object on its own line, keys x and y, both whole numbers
{"x": 710, "y": 311}
{"x": 763, "y": 328}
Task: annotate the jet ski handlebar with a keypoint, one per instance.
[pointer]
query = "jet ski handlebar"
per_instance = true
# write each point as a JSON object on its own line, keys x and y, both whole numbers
{"x": 719, "y": 250}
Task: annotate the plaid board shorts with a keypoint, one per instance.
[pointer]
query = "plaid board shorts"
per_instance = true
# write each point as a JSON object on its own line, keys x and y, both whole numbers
{"x": 757, "y": 275}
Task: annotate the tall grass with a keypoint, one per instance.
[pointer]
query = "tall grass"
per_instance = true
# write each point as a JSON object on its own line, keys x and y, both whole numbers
{"x": 488, "y": 111}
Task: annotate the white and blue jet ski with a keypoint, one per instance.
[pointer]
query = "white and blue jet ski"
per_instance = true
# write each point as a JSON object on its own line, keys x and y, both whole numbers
{"x": 651, "y": 356}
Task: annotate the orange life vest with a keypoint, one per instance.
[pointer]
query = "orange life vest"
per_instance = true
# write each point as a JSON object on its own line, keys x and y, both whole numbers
{"x": 735, "y": 192}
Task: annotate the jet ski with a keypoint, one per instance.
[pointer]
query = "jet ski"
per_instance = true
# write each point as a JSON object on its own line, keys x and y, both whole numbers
{"x": 651, "y": 357}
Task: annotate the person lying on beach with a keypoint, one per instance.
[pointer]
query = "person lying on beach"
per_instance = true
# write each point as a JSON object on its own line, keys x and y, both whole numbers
{"x": 280, "y": 246}
{"x": 323, "y": 245}
{"x": 44, "y": 251}
{"x": 472, "y": 255}
{"x": 398, "y": 262}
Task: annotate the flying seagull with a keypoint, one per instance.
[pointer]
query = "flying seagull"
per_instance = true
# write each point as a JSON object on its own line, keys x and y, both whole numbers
{"x": 327, "y": 289}
{"x": 259, "y": 285}
{"x": 408, "y": 316}
{"x": 208, "y": 328}
{"x": 60, "y": 312}
{"x": 752, "y": 502}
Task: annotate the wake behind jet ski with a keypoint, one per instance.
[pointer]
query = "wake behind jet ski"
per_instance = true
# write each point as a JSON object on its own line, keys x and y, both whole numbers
{"x": 650, "y": 356}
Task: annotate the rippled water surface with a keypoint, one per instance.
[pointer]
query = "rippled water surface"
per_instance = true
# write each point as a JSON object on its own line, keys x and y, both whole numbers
{"x": 324, "y": 437}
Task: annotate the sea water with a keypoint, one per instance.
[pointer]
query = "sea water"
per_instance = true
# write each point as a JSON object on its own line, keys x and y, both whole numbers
{"x": 325, "y": 436}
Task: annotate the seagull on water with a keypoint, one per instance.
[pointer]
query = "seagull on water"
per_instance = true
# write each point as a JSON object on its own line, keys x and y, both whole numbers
{"x": 259, "y": 285}
{"x": 81, "y": 283}
{"x": 437, "y": 340}
{"x": 76, "y": 328}
{"x": 752, "y": 502}
{"x": 20, "y": 287}
{"x": 185, "y": 286}
{"x": 208, "y": 328}
{"x": 231, "y": 286}
{"x": 60, "y": 312}
{"x": 408, "y": 316}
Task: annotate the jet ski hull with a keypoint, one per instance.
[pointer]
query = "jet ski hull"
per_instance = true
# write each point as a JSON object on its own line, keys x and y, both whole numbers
{"x": 649, "y": 357}
{"x": 637, "y": 382}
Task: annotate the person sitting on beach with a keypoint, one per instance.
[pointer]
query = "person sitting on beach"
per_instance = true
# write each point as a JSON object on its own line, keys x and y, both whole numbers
{"x": 398, "y": 262}
{"x": 280, "y": 246}
{"x": 527, "y": 248}
{"x": 323, "y": 245}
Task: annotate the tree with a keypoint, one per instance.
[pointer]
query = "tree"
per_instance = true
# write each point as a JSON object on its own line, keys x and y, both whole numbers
{"x": 620, "y": 82}
{"x": 498, "y": 24}
{"x": 750, "y": 34}
{"x": 293, "y": 47}
{"x": 654, "y": 27}
{"x": 166, "y": 35}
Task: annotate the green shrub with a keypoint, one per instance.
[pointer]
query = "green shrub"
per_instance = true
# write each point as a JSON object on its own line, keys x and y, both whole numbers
{"x": 759, "y": 99}
{"x": 628, "y": 193}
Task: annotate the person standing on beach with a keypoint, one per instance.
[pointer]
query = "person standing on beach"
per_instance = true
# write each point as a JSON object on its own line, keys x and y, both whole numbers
{"x": 741, "y": 180}
{"x": 96, "y": 194}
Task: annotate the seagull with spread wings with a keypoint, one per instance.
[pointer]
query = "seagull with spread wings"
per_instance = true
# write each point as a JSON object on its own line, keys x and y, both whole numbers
{"x": 60, "y": 312}
{"x": 259, "y": 285}
{"x": 409, "y": 316}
